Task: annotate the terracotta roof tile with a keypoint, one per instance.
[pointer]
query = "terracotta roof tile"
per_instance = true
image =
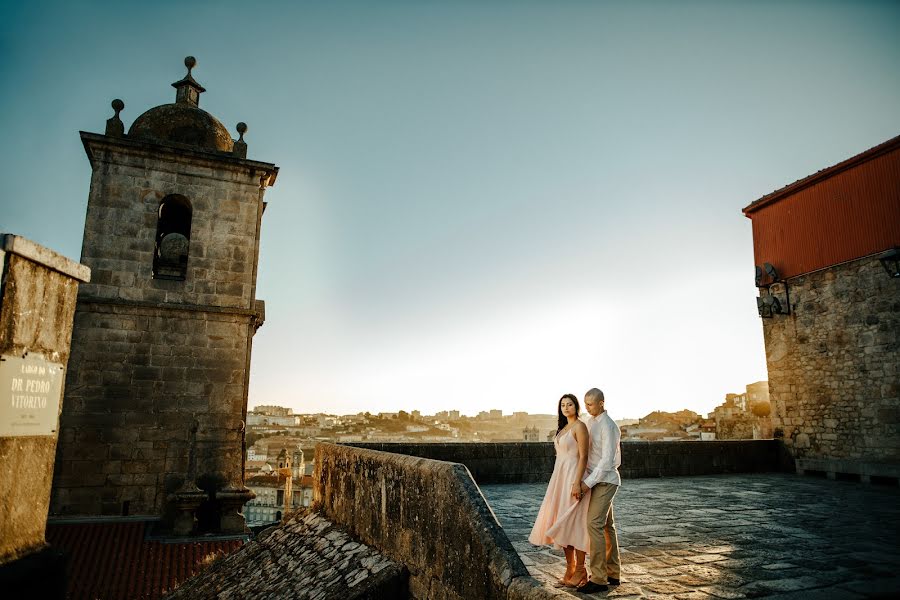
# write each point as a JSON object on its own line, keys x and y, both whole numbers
{"x": 115, "y": 560}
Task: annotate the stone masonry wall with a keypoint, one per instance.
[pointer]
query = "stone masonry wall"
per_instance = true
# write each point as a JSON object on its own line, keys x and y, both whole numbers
{"x": 834, "y": 364}
{"x": 127, "y": 186}
{"x": 151, "y": 356}
{"x": 138, "y": 378}
{"x": 427, "y": 515}
{"x": 37, "y": 301}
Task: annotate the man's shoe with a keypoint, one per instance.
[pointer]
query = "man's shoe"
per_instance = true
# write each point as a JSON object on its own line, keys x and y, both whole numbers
{"x": 613, "y": 581}
{"x": 592, "y": 588}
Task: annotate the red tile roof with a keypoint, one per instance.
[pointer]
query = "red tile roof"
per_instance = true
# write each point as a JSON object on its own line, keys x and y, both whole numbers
{"x": 115, "y": 560}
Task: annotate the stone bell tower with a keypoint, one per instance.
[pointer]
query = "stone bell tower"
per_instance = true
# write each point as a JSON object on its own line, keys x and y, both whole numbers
{"x": 156, "y": 394}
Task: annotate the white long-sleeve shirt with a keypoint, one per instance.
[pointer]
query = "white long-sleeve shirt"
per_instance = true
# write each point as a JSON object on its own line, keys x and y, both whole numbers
{"x": 605, "y": 454}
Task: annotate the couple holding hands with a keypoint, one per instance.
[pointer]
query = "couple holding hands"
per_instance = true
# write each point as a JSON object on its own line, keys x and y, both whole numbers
{"x": 577, "y": 511}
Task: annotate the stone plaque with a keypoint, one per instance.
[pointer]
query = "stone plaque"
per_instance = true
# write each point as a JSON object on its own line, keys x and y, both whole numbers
{"x": 30, "y": 388}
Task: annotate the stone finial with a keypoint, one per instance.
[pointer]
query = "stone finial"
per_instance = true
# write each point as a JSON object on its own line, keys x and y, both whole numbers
{"x": 187, "y": 89}
{"x": 114, "y": 125}
{"x": 240, "y": 146}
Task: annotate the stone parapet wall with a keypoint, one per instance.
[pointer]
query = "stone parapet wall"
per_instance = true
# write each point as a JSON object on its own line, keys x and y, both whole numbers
{"x": 427, "y": 515}
{"x": 524, "y": 462}
{"x": 834, "y": 364}
{"x": 488, "y": 462}
{"x": 676, "y": 459}
{"x": 37, "y": 303}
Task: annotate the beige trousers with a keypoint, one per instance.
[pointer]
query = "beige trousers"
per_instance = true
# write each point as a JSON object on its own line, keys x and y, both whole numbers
{"x": 604, "y": 561}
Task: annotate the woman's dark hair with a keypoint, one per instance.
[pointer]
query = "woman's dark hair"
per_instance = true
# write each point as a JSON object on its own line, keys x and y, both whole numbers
{"x": 562, "y": 421}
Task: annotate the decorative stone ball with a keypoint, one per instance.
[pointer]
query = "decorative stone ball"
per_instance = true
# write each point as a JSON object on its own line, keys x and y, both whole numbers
{"x": 190, "y": 62}
{"x": 118, "y": 105}
{"x": 242, "y": 128}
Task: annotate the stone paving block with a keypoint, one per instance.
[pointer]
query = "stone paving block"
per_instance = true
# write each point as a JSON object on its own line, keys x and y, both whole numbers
{"x": 633, "y": 569}
{"x": 723, "y": 592}
{"x": 705, "y": 558}
{"x": 790, "y": 584}
{"x": 779, "y": 566}
{"x": 690, "y": 580}
{"x": 887, "y": 587}
{"x": 665, "y": 587}
{"x": 693, "y": 595}
{"x": 625, "y": 590}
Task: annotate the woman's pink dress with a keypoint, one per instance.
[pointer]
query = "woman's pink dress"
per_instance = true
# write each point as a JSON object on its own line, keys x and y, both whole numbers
{"x": 562, "y": 520}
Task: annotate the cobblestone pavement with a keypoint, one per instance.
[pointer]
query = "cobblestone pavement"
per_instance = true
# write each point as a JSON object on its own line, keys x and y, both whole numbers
{"x": 778, "y": 536}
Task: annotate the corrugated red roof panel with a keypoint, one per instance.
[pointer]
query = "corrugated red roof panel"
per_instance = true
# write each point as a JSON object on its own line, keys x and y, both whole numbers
{"x": 115, "y": 560}
{"x": 798, "y": 185}
{"x": 845, "y": 212}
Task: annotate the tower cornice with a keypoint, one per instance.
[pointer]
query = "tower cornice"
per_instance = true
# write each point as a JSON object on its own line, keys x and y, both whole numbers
{"x": 94, "y": 143}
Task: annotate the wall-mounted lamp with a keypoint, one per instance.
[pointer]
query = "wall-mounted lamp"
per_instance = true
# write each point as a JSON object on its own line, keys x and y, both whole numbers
{"x": 768, "y": 304}
{"x": 890, "y": 260}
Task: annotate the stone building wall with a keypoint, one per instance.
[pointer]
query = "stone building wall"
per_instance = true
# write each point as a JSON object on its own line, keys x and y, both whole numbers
{"x": 834, "y": 364}
{"x": 737, "y": 428}
{"x": 128, "y": 182}
{"x": 37, "y": 302}
{"x": 152, "y": 356}
{"x": 139, "y": 376}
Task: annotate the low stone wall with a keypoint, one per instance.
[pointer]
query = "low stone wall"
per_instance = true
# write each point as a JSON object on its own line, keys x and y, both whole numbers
{"x": 522, "y": 462}
{"x": 38, "y": 289}
{"x": 426, "y": 514}
{"x": 513, "y": 462}
{"x": 668, "y": 459}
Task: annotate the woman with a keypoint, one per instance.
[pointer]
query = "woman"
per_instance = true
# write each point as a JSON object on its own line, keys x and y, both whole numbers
{"x": 562, "y": 519}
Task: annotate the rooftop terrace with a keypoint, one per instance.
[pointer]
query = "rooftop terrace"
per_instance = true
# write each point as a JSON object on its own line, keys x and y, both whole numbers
{"x": 773, "y": 535}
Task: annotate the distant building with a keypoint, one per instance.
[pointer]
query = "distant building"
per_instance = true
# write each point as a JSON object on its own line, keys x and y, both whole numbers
{"x": 744, "y": 416}
{"x": 275, "y": 411}
{"x": 663, "y": 426}
{"x": 828, "y": 251}
{"x": 530, "y": 434}
{"x": 708, "y": 430}
{"x": 268, "y": 506}
{"x": 255, "y": 418}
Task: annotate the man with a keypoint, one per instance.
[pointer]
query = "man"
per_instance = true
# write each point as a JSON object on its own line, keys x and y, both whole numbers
{"x": 603, "y": 480}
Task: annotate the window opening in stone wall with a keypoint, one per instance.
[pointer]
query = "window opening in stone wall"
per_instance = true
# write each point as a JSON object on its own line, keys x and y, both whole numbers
{"x": 173, "y": 236}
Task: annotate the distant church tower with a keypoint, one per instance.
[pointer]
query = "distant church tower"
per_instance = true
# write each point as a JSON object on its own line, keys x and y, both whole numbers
{"x": 156, "y": 394}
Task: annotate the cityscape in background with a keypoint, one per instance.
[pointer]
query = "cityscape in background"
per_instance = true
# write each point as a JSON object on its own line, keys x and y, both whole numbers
{"x": 278, "y": 464}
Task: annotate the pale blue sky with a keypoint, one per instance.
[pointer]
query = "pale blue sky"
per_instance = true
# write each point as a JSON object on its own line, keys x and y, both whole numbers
{"x": 481, "y": 204}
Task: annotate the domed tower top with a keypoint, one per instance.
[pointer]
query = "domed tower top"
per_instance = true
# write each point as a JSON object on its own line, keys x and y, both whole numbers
{"x": 183, "y": 122}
